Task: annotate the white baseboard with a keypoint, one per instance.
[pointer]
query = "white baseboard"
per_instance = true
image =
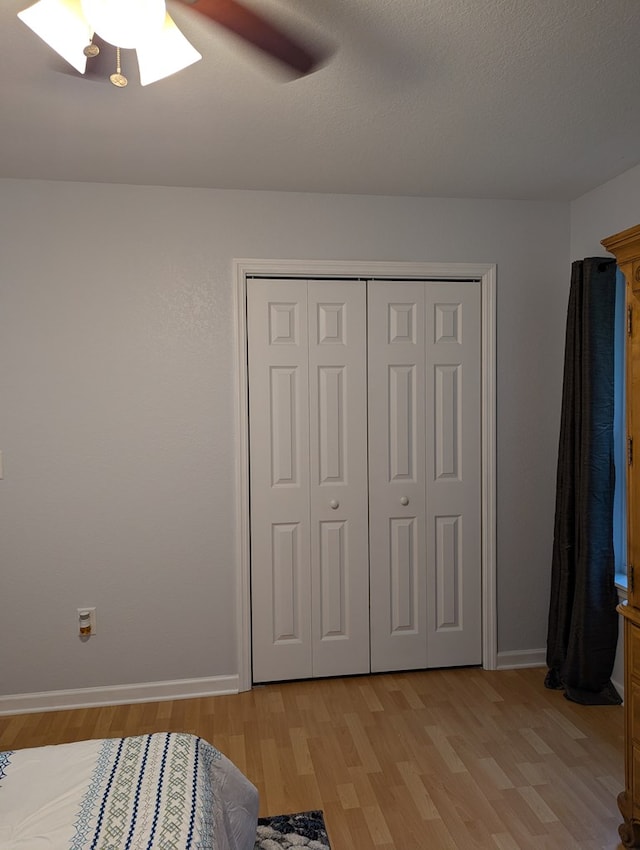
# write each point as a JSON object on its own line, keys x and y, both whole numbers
{"x": 522, "y": 658}
{"x": 118, "y": 694}
{"x": 537, "y": 658}
{"x": 619, "y": 686}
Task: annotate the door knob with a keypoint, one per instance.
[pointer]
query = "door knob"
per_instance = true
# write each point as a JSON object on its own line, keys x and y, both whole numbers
{"x": 404, "y": 500}
{"x": 334, "y": 504}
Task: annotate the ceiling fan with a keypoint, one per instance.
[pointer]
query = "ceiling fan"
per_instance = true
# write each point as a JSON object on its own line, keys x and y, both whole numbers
{"x": 257, "y": 30}
{"x": 69, "y": 27}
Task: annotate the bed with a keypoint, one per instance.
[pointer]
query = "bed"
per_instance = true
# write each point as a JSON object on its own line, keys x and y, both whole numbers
{"x": 164, "y": 791}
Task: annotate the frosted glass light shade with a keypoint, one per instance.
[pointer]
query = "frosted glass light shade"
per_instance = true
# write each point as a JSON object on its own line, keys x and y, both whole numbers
{"x": 164, "y": 52}
{"x": 62, "y": 25}
{"x": 66, "y": 26}
{"x": 125, "y": 23}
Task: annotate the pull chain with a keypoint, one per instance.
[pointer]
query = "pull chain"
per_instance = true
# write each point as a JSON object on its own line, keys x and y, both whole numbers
{"x": 91, "y": 49}
{"x": 118, "y": 79}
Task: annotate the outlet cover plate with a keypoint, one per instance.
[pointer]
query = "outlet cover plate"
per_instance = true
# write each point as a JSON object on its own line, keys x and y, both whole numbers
{"x": 92, "y": 619}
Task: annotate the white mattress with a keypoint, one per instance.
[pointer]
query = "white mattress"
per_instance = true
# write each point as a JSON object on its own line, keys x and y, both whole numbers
{"x": 166, "y": 791}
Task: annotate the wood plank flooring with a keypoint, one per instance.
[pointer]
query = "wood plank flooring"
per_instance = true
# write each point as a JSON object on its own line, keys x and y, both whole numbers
{"x": 436, "y": 759}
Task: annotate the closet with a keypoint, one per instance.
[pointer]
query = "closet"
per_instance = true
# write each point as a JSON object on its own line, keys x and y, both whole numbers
{"x": 365, "y": 475}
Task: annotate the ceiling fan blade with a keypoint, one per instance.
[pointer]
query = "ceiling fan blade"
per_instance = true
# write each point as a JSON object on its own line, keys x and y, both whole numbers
{"x": 259, "y": 32}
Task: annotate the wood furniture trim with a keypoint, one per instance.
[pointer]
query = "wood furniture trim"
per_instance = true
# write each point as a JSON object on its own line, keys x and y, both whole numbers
{"x": 625, "y": 247}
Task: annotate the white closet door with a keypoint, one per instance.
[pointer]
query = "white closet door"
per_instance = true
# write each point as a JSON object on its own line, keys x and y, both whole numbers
{"x": 279, "y": 479}
{"x": 454, "y": 463}
{"x": 307, "y": 407}
{"x": 338, "y": 477}
{"x": 424, "y": 472}
{"x": 365, "y": 473}
{"x": 397, "y": 475}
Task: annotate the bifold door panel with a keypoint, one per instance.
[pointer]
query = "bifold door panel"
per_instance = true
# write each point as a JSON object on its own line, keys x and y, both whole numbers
{"x": 397, "y": 470}
{"x": 424, "y": 474}
{"x": 308, "y": 458}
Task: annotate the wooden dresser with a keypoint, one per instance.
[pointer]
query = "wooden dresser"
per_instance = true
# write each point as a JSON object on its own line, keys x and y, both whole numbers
{"x": 625, "y": 246}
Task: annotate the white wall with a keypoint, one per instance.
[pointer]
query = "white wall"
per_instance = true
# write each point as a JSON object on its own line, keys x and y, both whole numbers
{"x": 610, "y": 208}
{"x": 117, "y": 416}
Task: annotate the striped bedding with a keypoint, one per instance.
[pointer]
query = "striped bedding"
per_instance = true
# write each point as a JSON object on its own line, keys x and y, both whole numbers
{"x": 165, "y": 791}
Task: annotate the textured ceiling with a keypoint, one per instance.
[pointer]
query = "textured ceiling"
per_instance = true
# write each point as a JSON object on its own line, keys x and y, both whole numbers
{"x": 535, "y": 99}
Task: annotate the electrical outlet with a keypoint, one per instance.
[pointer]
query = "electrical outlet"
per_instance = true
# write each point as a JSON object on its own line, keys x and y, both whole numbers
{"x": 86, "y": 624}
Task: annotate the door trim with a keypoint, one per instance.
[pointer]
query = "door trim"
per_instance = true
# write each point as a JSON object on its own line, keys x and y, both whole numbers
{"x": 485, "y": 273}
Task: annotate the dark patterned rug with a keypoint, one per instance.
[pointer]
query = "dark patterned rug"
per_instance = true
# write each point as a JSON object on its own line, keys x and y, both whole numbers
{"x": 281, "y": 832}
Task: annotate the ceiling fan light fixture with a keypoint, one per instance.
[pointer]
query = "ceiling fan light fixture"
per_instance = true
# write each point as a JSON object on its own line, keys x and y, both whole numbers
{"x": 164, "y": 52}
{"x": 125, "y": 23}
{"x": 62, "y": 25}
{"x": 69, "y": 27}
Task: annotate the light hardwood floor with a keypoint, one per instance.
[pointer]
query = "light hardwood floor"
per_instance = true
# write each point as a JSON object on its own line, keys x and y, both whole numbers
{"x": 437, "y": 759}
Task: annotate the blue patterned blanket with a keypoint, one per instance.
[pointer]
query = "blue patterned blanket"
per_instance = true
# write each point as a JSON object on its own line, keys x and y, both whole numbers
{"x": 165, "y": 791}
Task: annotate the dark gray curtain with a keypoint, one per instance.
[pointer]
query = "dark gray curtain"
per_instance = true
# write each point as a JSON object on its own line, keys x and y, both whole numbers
{"x": 583, "y": 623}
